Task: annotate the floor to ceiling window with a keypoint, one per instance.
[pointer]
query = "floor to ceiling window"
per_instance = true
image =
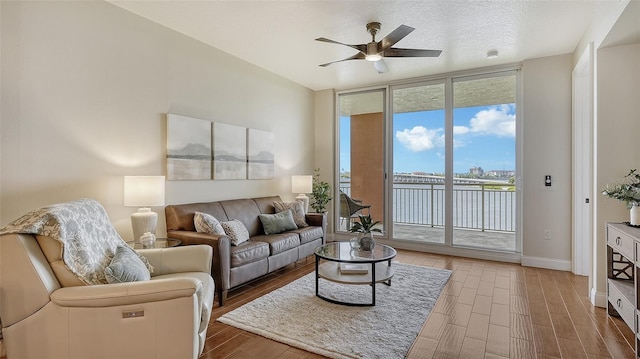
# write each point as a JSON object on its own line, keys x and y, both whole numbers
{"x": 361, "y": 122}
{"x": 418, "y": 195}
{"x": 484, "y": 162}
{"x": 449, "y": 169}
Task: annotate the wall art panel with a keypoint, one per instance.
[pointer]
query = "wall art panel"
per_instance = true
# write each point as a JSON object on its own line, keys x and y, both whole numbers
{"x": 188, "y": 148}
{"x": 229, "y": 152}
{"x": 260, "y": 150}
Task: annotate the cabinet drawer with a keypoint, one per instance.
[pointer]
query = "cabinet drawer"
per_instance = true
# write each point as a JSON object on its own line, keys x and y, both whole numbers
{"x": 621, "y": 243}
{"x": 621, "y": 303}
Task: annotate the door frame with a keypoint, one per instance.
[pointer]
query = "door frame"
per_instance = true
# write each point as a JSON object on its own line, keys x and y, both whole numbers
{"x": 582, "y": 157}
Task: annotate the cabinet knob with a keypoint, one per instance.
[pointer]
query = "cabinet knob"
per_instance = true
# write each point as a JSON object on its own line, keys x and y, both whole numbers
{"x": 617, "y": 241}
{"x": 619, "y": 303}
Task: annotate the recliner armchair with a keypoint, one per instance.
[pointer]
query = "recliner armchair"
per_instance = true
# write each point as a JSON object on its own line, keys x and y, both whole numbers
{"x": 48, "y": 313}
{"x": 165, "y": 317}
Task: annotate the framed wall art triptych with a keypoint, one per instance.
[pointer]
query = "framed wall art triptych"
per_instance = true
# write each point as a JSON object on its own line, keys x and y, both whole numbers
{"x": 203, "y": 150}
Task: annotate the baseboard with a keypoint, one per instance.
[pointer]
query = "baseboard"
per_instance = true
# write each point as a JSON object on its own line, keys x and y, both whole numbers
{"x": 598, "y": 299}
{"x": 547, "y": 263}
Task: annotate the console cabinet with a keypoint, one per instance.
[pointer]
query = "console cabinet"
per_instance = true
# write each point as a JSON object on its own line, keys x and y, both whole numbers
{"x": 623, "y": 270}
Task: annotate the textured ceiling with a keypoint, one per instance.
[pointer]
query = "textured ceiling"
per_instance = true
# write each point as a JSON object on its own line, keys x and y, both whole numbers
{"x": 279, "y": 35}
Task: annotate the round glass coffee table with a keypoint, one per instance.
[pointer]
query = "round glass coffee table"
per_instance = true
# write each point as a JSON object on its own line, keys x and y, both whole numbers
{"x": 343, "y": 264}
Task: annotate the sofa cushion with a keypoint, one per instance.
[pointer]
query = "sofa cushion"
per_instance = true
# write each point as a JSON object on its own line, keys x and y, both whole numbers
{"x": 279, "y": 243}
{"x": 207, "y": 223}
{"x": 309, "y": 234}
{"x": 245, "y": 211}
{"x": 126, "y": 266}
{"x": 248, "y": 252}
{"x": 179, "y": 217}
{"x": 296, "y": 210}
{"x": 277, "y": 223}
{"x": 236, "y": 231}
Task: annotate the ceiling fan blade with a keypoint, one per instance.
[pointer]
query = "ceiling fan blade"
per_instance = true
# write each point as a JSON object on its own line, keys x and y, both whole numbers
{"x": 361, "y": 47}
{"x": 395, "y": 36}
{"x": 358, "y": 56}
{"x": 395, "y": 52}
{"x": 381, "y": 66}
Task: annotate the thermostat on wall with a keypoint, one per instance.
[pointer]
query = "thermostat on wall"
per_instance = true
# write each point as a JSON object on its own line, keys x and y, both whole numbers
{"x": 547, "y": 184}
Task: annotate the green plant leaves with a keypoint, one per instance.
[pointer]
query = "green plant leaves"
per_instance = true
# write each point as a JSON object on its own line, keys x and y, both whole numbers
{"x": 628, "y": 191}
{"x": 365, "y": 225}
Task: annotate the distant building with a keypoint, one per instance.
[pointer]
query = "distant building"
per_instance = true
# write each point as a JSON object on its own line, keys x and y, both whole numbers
{"x": 501, "y": 173}
{"x": 476, "y": 171}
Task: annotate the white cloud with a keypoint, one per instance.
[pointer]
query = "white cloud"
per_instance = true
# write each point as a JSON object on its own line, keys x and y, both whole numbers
{"x": 460, "y": 130}
{"x": 497, "y": 121}
{"x": 420, "y": 138}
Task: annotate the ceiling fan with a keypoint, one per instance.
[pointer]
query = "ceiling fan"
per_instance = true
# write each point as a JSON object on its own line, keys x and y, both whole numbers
{"x": 375, "y": 51}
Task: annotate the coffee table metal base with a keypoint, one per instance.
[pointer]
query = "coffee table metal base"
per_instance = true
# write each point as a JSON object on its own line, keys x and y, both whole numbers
{"x": 380, "y": 272}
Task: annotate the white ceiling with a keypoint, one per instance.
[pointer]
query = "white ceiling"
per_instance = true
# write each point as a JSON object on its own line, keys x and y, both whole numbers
{"x": 279, "y": 35}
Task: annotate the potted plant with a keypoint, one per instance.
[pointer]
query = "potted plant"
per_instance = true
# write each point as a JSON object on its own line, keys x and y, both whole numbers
{"x": 365, "y": 227}
{"x": 321, "y": 192}
{"x": 627, "y": 191}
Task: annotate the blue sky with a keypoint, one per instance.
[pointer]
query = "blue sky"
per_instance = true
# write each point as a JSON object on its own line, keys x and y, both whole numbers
{"x": 483, "y": 136}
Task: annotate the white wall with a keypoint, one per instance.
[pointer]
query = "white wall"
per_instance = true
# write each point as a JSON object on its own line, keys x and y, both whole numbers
{"x": 616, "y": 142}
{"x": 85, "y": 90}
{"x": 547, "y": 151}
{"x": 601, "y": 26}
{"x": 325, "y": 132}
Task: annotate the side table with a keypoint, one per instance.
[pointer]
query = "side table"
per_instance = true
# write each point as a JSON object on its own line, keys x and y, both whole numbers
{"x": 160, "y": 243}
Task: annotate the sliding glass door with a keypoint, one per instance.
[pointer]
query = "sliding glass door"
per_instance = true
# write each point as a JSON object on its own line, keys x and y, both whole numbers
{"x": 443, "y": 158}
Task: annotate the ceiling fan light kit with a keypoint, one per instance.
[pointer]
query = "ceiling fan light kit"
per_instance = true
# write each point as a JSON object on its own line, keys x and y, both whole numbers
{"x": 376, "y": 51}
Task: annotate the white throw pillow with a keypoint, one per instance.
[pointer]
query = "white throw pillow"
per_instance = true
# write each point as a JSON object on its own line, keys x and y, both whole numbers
{"x": 236, "y": 231}
{"x": 297, "y": 210}
{"x": 207, "y": 223}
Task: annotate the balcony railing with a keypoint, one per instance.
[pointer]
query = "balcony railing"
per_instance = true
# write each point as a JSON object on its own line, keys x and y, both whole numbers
{"x": 478, "y": 206}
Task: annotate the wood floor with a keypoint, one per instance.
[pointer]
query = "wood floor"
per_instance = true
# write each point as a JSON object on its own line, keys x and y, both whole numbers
{"x": 487, "y": 310}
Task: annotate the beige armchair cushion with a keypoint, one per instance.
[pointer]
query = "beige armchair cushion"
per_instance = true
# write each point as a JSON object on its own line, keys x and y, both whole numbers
{"x": 52, "y": 250}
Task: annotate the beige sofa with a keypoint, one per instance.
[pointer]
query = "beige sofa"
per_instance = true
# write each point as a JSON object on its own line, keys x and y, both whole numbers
{"x": 262, "y": 254}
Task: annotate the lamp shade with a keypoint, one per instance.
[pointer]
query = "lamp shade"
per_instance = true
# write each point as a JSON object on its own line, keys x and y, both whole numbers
{"x": 143, "y": 191}
{"x": 302, "y": 184}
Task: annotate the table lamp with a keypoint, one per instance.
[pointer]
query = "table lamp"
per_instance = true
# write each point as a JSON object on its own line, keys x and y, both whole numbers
{"x": 143, "y": 192}
{"x": 302, "y": 184}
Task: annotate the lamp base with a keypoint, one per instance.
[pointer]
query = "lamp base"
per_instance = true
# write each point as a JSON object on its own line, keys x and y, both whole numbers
{"x": 143, "y": 221}
{"x": 305, "y": 201}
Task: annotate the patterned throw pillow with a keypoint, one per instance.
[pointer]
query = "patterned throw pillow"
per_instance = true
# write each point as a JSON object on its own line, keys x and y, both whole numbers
{"x": 296, "y": 209}
{"x": 236, "y": 231}
{"x": 126, "y": 266}
{"x": 277, "y": 223}
{"x": 207, "y": 223}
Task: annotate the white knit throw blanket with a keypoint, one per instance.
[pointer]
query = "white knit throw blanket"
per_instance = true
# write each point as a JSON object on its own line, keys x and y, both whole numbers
{"x": 88, "y": 239}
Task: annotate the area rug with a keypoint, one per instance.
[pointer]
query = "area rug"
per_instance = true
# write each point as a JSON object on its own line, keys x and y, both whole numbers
{"x": 295, "y": 316}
